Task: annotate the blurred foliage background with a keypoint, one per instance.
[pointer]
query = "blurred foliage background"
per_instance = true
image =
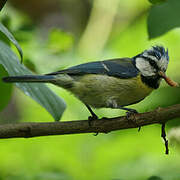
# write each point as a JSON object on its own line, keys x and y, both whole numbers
{"x": 58, "y": 34}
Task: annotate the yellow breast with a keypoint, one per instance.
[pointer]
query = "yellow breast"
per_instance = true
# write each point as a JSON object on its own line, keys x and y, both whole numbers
{"x": 100, "y": 90}
{"x": 141, "y": 87}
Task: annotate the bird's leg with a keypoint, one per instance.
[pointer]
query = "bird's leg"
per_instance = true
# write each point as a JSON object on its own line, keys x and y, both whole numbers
{"x": 113, "y": 104}
{"x": 91, "y": 118}
{"x": 129, "y": 113}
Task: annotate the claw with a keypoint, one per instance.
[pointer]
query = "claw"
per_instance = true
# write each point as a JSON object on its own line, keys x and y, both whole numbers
{"x": 132, "y": 112}
{"x": 96, "y": 134}
{"x": 92, "y": 118}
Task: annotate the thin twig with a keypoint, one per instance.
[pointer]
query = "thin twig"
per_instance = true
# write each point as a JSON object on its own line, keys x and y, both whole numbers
{"x": 163, "y": 135}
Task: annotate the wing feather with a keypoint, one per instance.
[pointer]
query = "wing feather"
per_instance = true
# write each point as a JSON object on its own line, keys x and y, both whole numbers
{"x": 123, "y": 68}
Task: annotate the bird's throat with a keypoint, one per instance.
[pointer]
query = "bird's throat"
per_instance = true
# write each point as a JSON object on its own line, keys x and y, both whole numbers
{"x": 152, "y": 82}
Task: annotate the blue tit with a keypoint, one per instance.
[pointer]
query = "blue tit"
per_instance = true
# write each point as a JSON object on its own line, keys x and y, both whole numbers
{"x": 114, "y": 83}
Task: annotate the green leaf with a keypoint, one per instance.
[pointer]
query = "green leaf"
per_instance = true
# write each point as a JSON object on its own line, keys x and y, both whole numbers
{"x": 39, "y": 92}
{"x": 162, "y": 18}
{"x": 2, "y": 3}
{"x": 157, "y": 1}
{"x": 6, "y": 32}
{"x": 5, "y": 90}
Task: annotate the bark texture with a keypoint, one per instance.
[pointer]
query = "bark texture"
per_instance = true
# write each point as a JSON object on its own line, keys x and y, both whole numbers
{"x": 104, "y": 125}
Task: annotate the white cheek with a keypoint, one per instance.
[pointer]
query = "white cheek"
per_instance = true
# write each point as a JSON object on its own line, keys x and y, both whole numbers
{"x": 144, "y": 67}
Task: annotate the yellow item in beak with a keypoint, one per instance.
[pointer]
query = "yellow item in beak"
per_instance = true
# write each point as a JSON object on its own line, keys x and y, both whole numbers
{"x": 169, "y": 81}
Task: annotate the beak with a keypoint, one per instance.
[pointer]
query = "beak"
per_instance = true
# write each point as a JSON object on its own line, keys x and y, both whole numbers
{"x": 168, "y": 80}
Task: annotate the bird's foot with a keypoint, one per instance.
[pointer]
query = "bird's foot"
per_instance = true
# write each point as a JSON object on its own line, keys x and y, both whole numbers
{"x": 131, "y": 113}
{"x": 91, "y": 118}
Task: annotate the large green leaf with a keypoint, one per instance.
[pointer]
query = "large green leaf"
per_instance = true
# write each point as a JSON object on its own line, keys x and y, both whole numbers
{"x": 5, "y": 90}
{"x": 39, "y": 92}
{"x": 163, "y": 17}
{"x": 6, "y": 32}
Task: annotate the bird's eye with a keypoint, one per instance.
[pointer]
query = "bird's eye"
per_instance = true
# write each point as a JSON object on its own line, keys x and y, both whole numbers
{"x": 158, "y": 56}
{"x": 153, "y": 64}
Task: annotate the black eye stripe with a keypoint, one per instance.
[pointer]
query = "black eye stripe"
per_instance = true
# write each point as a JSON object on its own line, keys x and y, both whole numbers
{"x": 151, "y": 62}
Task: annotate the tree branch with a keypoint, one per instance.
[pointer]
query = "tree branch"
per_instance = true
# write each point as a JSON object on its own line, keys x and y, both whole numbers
{"x": 27, "y": 130}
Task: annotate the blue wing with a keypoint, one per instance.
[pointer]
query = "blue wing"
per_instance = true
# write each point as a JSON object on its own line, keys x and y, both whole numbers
{"x": 123, "y": 68}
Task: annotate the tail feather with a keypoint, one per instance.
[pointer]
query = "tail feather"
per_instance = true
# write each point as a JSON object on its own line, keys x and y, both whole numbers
{"x": 29, "y": 78}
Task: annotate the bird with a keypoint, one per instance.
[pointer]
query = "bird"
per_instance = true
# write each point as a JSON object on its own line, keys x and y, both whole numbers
{"x": 113, "y": 83}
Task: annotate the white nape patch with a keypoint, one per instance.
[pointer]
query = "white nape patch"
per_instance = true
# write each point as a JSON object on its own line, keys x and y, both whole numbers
{"x": 144, "y": 67}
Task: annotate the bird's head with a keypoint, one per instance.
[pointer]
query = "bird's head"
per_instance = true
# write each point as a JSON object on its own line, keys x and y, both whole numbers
{"x": 153, "y": 63}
